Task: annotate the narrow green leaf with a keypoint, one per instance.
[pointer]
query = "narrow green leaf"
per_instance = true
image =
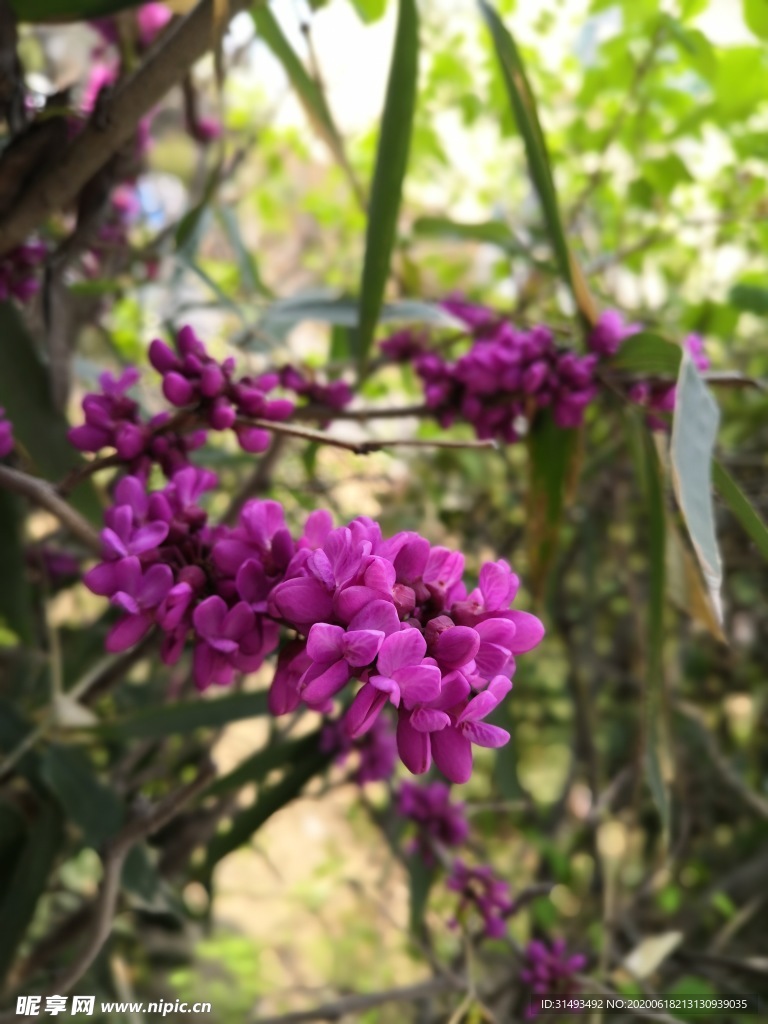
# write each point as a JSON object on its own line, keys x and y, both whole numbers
{"x": 654, "y": 687}
{"x": 553, "y": 461}
{"x": 389, "y": 174}
{"x": 370, "y": 10}
{"x": 421, "y": 877}
{"x": 648, "y": 354}
{"x": 27, "y": 881}
{"x": 492, "y": 232}
{"x": 154, "y": 723}
{"x": 269, "y": 802}
{"x": 284, "y": 314}
{"x": 694, "y": 429}
{"x": 93, "y": 807}
{"x": 39, "y": 428}
{"x": 69, "y": 10}
{"x": 250, "y": 278}
{"x": 15, "y": 606}
{"x": 310, "y": 95}
{"x": 741, "y": 507}
{"x": 750, "y": 298}
{"x": 258, "y": 766}
{"x": 756, "y": 17}
{"x": 524, "y": 108}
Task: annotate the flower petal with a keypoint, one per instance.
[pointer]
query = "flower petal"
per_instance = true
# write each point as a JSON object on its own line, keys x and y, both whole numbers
{"x": 485, "y": 735}
{"x": 414, "y": 747}
{"x": 406, "y": 647}
{"x": 324, "y": 643}
{"x": 453, "y": 754}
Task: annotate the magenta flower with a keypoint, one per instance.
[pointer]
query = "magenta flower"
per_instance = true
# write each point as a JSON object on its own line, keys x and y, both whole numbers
{"x": 335, "y": 654}
{"x": 228, "y": 641}
{"x": 402, "y": 676}
{"x": 138, "y": 593}
{"x": 440, "y": 820}
{"x": 452, "y": 746}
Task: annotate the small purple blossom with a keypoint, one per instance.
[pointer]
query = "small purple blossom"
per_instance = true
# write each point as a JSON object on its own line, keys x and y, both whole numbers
{"x": 7, "y": 442}
{"x": 19, "y": 271}
{"x": 439, "y": 820}
{"x": 549, "y": 970}
{"x": 482, "y": 891}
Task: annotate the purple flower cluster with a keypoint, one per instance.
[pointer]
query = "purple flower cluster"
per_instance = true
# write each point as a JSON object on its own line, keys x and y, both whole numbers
{"x": 335, "y": 394}
{"x": 191, "y": 377}
{"x": 509, "y": 374}
{"x": 550, "y": 971}
{"x": 439, "y": 820}
{"x": 376, "y": 749}
{"x": 396, "y": 615}
{"x": 505, "y": 377}
{"x": 482, "y": 891}
{"x": 393, "y": 614}
{"x": 19, "y": 271}
{"x": 6, "y": 435}
{"x": 113, "y": 420}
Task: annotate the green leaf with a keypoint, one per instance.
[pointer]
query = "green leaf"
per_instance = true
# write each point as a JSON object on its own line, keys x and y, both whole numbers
{"x": 750, "y": 298}
{"x": 370, "y": 10}
{"x": 258, "y": 766}
{"x": 553, "y": 458}
{"x": 268, "y": 802}
{"x": 421, "y": 877}
{"x": 524, "y": 110}
{"x": 756, "y": 17}
{"x": 183, "y": 716}
{"x": 92, "y": 806}
{"x": 250, "y": 278}
{"x": 39, "y": 428}
{"x": 694, "y": 429}
{"x": 69, "y": 10}
{"x": 283, "y": 315}
{"x": 311, "y": 96}
{"x": 28, "y": 880}
{"x": 741, "y": 507}
{"x": 389, "y": 174}
{"x": 493, "y": 232}
{"x": 15, "y": 606}
{"x": 648, "y": 354}
{"x": 654, "y": 688}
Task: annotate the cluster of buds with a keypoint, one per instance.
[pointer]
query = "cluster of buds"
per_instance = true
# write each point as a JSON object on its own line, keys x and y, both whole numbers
{"x": 6, "y": 435}
{"x": 550, "y": 970}
{"x": 508, "y": 374}
{"x": 441, "y": 823}
{"x": 19, "y": 270}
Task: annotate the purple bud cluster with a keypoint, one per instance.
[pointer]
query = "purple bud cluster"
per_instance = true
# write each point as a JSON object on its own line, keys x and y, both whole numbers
{"x": 6, "y": 435}
{"x": 393, "y": 614}
{"x": 549, "y": 970}
{"x": 191, "y": 377}
{"x": 19, "y": 271}
{"x": 482, "y": 891}
{"x": 440, "y": 822}
{"x": 509, "y": 374}
{"x": 113, "y": 420}
{"x": 376, "y": 749}
{"x": 505, "y": 377}
{"x": 334, "y": 394}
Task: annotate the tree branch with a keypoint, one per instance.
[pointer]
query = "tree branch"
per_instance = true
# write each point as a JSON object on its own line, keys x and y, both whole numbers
{"x": 41, "y": 493}
{"x": 358, "y": 1004}
{"x": 165, "y": 65}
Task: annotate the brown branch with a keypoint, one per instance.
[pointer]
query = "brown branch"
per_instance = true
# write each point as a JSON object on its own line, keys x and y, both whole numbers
{"x": 165, "y": 65}
{"x": 358, "y": 1004}
{"x": 42, "y": 494}
{"x": 363, "y": 447}
{"x": 113, "y": 859}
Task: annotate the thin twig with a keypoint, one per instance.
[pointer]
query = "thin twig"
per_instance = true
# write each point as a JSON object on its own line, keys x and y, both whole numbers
{"x": 164, "y": 66}
{"x": 358, "y": 1004}
{"x": 41, "y": 493}
{"x": 363, "y": 447}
